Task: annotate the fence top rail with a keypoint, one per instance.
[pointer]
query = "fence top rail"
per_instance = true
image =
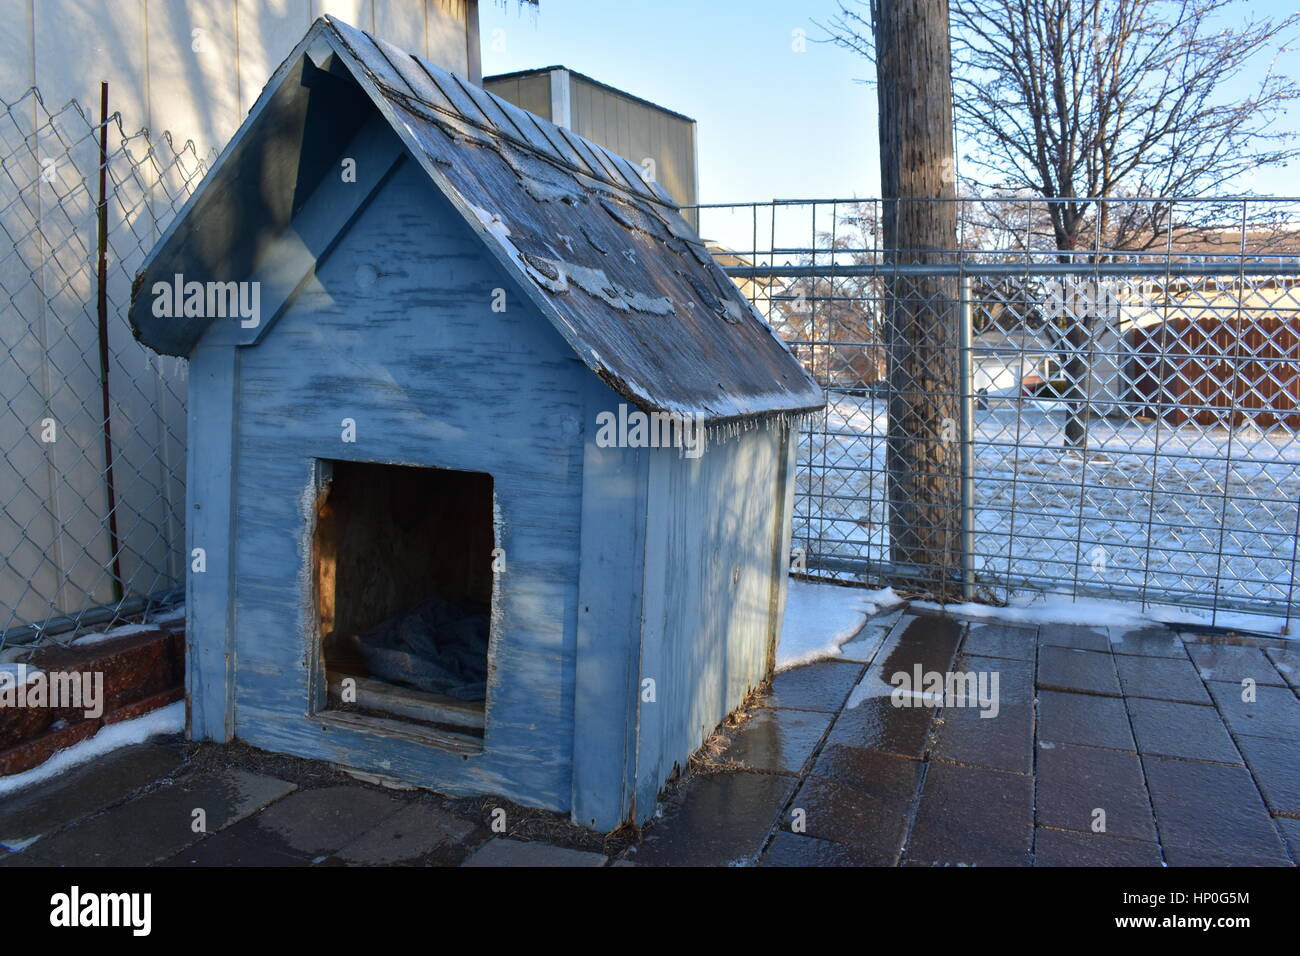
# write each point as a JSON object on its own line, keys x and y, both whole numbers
{"x": 1104, "y": 269}
{"x": 1022, "y": 200}
{"x": 1085, "y": 257}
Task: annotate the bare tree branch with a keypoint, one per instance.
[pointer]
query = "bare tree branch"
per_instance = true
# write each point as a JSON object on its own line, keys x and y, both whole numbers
{"x": 1078, "y": 100}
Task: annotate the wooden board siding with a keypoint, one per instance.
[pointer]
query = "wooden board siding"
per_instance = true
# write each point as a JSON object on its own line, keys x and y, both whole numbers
{"x": 399, "y": 335}
{"x": 713, "y": 526}
{"x": 610, "y": 598}
{"x": 1214, "y": 370}
{"x": 210, "y": 528}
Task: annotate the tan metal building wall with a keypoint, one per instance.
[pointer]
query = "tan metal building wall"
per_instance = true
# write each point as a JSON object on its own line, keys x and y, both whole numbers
{"x": 660, "y": 140}
{"x": 529, "y": 91}
{"x": 194, "y": 67}
{"x": 188, "y": 67}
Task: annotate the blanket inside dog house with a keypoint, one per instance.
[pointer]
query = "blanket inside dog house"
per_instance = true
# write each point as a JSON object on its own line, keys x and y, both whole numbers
{"x": 432, "y": 341}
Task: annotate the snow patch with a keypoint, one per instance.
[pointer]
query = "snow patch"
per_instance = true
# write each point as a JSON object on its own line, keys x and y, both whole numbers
{"x": 820, "y": 617}
{"x": 164, "y": 720}
{"x": 494, "y": 224}
{"x": 558, "y": 276}
{"x": 1050, "y": 609}
{"x": 1104, "y": 612}
{"x": 173, "y": 615}
{"x": 126, "y": 630}
{"x": 18, "y": 672}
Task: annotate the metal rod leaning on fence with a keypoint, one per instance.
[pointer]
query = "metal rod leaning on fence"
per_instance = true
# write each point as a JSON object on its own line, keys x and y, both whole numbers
{"x": 101, "y": 309}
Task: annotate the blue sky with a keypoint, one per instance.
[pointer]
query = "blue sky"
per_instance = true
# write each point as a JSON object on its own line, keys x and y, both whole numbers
{"x": 773, "y": 122}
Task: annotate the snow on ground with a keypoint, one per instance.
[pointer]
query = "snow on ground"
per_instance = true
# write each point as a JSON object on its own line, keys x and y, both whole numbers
{"x": 820, "y": 617}
{"x": 1159, "y": 511}
{"x": 1100, "y": 612}
{"x": 164, "y": 720}
{"x": 1051, "y": 609}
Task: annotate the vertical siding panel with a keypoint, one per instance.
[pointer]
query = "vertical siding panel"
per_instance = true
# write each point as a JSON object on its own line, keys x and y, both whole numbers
{"x": 16, "y": 47}
{"x": 535, "y": 94}
{"x": 30, "y": 578}
{"x": 210, "y": 595}
{"x": 711, "y": 525}
{"x": 64, "y": 263}
{"x": 193, "y": 92}
{"x": 610, "y": 597}
{"x": 357, "y": 13}
{"x": 75, "y": 47}
{"x": 445, "y": 35}
{"x": 402, "y": 23}
{"x": 267, "y": 33}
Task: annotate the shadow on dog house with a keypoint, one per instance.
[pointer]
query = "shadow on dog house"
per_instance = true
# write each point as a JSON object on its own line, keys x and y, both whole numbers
{"x": 430, "y": 337}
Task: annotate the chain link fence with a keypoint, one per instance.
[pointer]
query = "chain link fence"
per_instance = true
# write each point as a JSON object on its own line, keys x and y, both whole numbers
{"x": 1114, "y": 416}
{"x": 91, "y": 423}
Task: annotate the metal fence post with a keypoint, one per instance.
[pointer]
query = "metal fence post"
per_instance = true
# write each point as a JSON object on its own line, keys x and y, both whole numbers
{"x": 966, "y": 382}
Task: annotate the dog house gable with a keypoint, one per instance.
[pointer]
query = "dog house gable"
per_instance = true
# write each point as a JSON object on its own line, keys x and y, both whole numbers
{"x": 384, "y": 209}
{"x": 605, "y": 255}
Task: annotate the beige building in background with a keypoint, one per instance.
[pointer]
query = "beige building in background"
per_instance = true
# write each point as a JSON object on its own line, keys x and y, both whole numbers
{"x": 660, "y": 140}
{"x": 194, "y": 68}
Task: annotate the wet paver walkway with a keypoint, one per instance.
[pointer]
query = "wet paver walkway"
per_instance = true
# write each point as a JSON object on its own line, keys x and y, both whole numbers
{"x": 1087, "y": 747}
{"x": 1107, "y": 747}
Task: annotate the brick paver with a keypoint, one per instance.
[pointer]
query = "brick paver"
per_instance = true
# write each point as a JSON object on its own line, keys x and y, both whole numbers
{"x": 1094, "y": 791}
{"x": 969, "y": 816}
{"x": 519, "y": 853}
{"x": 1235, "y": 663}
{"x": 1072, "y": 669}
{"x": 858, "y": 797}
{"x": 1065, "y": 718}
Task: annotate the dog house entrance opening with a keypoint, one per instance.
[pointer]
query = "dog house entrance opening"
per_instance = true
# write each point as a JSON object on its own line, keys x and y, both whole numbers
{"x": 403, "y": 565}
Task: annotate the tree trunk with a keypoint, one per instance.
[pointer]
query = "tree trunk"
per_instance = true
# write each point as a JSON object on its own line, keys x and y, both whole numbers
{"x": 1075, "y": 363}
{"x": 923, "y": 451}
{"x": 1076, "y": 369}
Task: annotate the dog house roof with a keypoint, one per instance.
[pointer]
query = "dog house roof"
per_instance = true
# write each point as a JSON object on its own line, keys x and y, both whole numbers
{"x": 605, "y": 255}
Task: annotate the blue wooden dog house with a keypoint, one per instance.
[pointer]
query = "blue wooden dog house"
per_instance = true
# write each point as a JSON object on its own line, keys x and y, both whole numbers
{"x": 431, "y": 534}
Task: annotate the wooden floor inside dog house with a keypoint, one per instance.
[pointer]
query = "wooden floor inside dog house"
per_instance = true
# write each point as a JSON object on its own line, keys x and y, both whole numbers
{"x": 404, "y": 582}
